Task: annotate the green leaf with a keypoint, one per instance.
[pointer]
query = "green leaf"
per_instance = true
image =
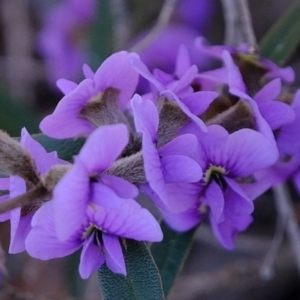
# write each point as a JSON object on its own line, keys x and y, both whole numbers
{"x": 14, "y": 115}
{"x": 101, "y": 35}
{"x": 170, "y": 254}
{"x": 142, "y": 281}
{"x": 283, "y": 38}
{"x": 65, "y": 148}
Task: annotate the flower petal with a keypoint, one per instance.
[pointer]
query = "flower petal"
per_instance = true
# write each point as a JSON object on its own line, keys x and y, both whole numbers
{"x": 68, "y": 108}
{"x": 101, "y": 150}
{"x": 142, "y": 69}
{"x": 178, "y": 168}
{"x": 116, "y": 72}
{"x": 235, "y": 79}
{"x": 88, "y": 72}
{"x": 114, "y": 257}
{"x": 182, "y": 145}
{"x": 199, "y": 102}
{"x": 120, "y": 186}
{"x": 42, "y": 242}
{"x": 183, "y": 61}
{"x": 66, "y": 86}
{"x": 214, "y": 198}
{"x": 70, "y": 199}
{"x": 145, "y": 116}
{"x": 237, "y": 202}
{"x": 183, "y": 221}
{"x": 269, "y": 92}
{"x": 277, "y": 113}
{"x": 128, "y": 220}
{"x": 91, "y": 258}
{"x": 170, "y": 95}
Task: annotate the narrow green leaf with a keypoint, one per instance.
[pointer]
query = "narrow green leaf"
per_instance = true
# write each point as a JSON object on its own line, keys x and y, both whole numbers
{"x": 170, "y": 254}
{"x": 283, "y": 38}
{"x": 142, "y": 281}
{"x": 65, "y": 148}
{"x": 101, "y": 35}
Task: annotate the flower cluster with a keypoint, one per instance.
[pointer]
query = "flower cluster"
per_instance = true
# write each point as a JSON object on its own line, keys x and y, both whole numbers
{"x": 198, "y": 144}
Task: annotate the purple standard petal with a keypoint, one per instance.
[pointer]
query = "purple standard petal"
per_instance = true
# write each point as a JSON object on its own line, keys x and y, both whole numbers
{"x": 104, "y": 196}
{"x": 145, "y": 116}
{"x": 91, "y": 258}
{"x": 68, "y": 108}
{"x": 186, "y": 144}
{"x": 245, "y": 152}
{"x": 127, "y": 220}
{"x": 114, "y": 257}
{"x": 116, "y": 72}
{"x": 66, "y": 86}
{"x": 214, "y": 198}
{"x": 199, "y": 102}
{"x": 120, "y": 186}
{"x": 178, "y": 168}
{"x": 277, "y": 113}
{"x": 269, "y": 92}
{"x": 103, "y": 147}
{"x": 70, "y": 199}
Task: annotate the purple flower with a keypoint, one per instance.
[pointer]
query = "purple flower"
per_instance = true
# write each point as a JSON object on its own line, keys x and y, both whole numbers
{"x": 276, "y": 113}
{"x": 92, "y": 210}
{"x": 20, "y": 218}
{"x": 226, "y": 160}
{"x": 180, "y": 90}
{"x": 171, "y": 169}
{"x": 61, "y": 40}
{"x": 98, "y": 100}
{"x": 272, "y": 70}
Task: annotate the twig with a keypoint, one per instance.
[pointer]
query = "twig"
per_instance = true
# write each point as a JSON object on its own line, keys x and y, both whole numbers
{"x": 37, "y": 194}
{"x": 238, "y": 24}
{"x": 121, "y": 23}
{"x": 286, "y": 212}
{"x": 163, "y": 20}
{"x": 267, "y": 269}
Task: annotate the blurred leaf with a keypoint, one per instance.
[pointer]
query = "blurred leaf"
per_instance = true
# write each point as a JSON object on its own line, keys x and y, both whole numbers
{"x": 65, "y": 148}
{"x": 142, "y": 281}
{"x": 171, "y": 253}
{"x": 101, "y": 43}
{"x": 15, "y": 115}
{"x": 283, "y": 38}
